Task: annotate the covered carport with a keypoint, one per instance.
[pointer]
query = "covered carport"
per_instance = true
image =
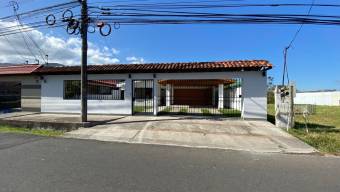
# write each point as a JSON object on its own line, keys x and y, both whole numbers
{"x": 209, "y": 97}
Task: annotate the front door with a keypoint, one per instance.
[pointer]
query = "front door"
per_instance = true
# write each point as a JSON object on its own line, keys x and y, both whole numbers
{"x": 142, "y": 99}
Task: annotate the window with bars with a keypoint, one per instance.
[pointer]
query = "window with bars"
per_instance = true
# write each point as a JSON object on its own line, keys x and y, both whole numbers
{"x": 97, "y": 89}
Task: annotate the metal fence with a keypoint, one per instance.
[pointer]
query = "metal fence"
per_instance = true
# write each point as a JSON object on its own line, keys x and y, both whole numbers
{"x": 304, "y": 108}
{"x": 142, "y": 96}
{"x": 97, "y": 89}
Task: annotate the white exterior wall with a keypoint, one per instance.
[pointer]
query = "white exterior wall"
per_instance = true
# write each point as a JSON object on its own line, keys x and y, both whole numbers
{"x": 318, "y": 98}
{"x": 52, "y": 93}
{"x": 253, "y": 82}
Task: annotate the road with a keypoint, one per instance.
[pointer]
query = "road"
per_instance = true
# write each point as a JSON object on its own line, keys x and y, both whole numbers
{"x": 41, "y": 164}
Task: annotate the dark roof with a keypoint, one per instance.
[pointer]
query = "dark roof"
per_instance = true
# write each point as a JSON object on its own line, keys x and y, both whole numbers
{"x": 247, "y": 65}
{"x": 23, "y": 69}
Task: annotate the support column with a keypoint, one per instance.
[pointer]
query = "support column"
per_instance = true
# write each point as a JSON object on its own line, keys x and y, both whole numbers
{"x": 172, "y": 95}
{"x": 220, "y": 96}
{"x": 155, "y": 97}
{"x": 168, "y": 95}
{"x": 128, "y": 93}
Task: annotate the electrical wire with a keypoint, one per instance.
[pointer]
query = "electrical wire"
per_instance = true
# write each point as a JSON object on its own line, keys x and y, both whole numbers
{"x": 285, "y": 70}
{"x": 163, "y": 13}
{"x": 299, "y": 29}
{"x": 40, "y": 51}
{"x": 14, "y": 49}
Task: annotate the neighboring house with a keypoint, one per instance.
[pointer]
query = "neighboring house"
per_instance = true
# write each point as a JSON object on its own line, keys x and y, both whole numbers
{"x": 29, "y": 85}
{"x": 330, "y": 98}
{"x": 226, "y": 88}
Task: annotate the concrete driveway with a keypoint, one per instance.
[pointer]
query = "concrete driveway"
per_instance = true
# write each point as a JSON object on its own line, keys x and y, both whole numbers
{"x": 234, "y": 134}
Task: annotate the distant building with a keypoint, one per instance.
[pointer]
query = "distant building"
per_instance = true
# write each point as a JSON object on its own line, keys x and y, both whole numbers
{"x": 330, "y": 98}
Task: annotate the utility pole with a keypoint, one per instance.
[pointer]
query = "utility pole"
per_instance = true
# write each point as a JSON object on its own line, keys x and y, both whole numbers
{"x": 284, "y": 64}
{"x": 83, "y": 29}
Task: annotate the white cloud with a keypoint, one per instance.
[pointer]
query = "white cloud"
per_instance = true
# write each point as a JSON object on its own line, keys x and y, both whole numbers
{"x": 135, "y": 60}
{"x": 115, "y": 51}
{"x": 64, "y": 51}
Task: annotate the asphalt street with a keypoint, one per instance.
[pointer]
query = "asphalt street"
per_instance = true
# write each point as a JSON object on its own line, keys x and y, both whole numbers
{"x": 41, "y": 164}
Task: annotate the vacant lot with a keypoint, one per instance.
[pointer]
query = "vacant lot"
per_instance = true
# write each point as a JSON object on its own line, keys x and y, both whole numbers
{"x": 324, "y": 128}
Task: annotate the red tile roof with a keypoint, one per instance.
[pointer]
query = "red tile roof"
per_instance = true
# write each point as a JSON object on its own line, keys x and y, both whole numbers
{"x": 23, "y": 69}
{"x": 247, "y": 65}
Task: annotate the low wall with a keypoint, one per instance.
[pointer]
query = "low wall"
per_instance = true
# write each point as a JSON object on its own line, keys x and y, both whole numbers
{"x": 318, "y": 98}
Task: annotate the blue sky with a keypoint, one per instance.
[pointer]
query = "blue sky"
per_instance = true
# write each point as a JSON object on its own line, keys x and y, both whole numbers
{"x": 313, "y": 61}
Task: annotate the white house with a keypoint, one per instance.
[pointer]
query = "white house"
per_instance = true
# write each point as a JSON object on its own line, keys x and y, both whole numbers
{"x": 226, "y": 88}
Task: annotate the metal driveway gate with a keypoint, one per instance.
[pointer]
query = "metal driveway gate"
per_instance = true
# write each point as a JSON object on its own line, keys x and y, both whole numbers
{"x": 142, "y": 99}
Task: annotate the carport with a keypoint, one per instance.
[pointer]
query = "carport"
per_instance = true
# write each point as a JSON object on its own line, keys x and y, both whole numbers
{"x": 209, "y": 97}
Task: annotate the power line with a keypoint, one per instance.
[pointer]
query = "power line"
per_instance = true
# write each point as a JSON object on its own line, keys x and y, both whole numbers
{"x": 42, "y": 10}
{"x": 134, "y": 15}
{"x": 285, "y": 52}
{"x": 12, "y": 46}
{"x": 26, "y": 43}
{"x": 299, "y": 29}
{"x": 40, "y": 51}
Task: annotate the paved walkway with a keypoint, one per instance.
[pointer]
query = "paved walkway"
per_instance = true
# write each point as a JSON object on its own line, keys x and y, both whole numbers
{"x": 235, "y": 134}
{"x": 52, "y": 121}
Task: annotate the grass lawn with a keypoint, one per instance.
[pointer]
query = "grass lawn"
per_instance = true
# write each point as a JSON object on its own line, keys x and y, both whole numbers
{"x": 230, "y": 112}
{"x": 206, "y": 112}
{"x": 324, "y": 128}
{"x": 142, "y": 109}
{"x": 165, "y": 110}
{"x": 327, "y": 141}
{"x": 183, "y": 111}
{"x": 41, "y": 132}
